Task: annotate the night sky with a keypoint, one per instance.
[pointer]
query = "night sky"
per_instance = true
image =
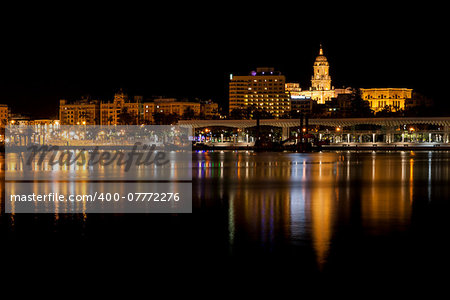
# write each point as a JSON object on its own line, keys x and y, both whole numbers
{"x": 190, "y": 50}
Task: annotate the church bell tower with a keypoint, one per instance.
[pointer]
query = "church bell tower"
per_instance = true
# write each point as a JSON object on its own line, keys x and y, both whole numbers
{"x": 321, "y": 80}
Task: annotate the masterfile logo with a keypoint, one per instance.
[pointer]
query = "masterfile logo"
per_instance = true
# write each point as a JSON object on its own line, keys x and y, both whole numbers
{"x": 98, "y": 169}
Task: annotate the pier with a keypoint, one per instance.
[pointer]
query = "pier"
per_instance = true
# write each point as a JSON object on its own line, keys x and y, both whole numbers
{"x": 349, "y": 133}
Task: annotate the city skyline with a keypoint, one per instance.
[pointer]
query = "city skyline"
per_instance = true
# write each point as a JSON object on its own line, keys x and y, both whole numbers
{"x": 224, "y": 103}
{"x": 353, "y": 64}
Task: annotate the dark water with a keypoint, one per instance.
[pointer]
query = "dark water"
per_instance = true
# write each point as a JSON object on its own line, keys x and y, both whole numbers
{"x": 270, "y": 215}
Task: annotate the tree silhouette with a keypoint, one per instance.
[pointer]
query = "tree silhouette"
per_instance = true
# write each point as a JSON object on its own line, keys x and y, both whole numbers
{"x": 188, "y": 113}
{"x": 359, "y": 107}
{"x": 237, "y": 114}
{"x": 125, "y": 118}
{"x": 164, "y": 119}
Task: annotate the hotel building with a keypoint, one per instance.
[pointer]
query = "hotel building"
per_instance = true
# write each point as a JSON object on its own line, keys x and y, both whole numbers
{"x": 263, "y": 88}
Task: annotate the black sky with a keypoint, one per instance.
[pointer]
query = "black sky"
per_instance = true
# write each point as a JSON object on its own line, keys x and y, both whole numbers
{"x": 189, "y": 50}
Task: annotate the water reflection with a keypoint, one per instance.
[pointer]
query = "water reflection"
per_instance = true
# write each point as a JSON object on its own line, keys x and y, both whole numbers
{"x": 277, "y": 198}
{"x": 278, "y": 201}
{"x": 298, "y": 199}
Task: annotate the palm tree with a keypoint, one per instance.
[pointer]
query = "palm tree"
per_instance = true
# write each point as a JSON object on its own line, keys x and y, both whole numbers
{"x": 110, "y": 120}
{"x": 125, "y": 118}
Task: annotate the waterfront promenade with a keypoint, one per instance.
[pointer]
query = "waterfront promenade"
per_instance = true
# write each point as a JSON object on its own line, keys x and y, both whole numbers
{"x": 380, "y": 133}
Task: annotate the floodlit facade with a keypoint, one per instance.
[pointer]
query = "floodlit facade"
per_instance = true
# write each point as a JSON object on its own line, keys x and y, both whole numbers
{"x": 209, "y": 109}
{"x": 110, "y": 112}
{"x": 379, "y": 98}
{"x": 294, "y": 89}
{"x": 263, "y": 88}
{"x": 92, "y": 112}
{"x": 204, "y": 109}
{"x": 168, "y": 106}
{"x": 81, "y": 112}
{"x": 321, "y": 89}
{"x": 4, "y": 111}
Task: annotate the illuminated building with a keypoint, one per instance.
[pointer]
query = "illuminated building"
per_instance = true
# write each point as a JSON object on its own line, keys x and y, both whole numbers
{"x": 302, "y": 105}
{"x": 4, "y": 111}
{"x": 299, "y": 104}
{"x": 321, "y": 89}
{"x": 209, "y": 109}
{"x": 44, "y": 122}
{"x": 81, "y": 112}
{"x": 172, "y": 106}
{"x": 19, "y": 119}
{"x": 379, "y": 98}
{"x": 110, "y": 112}
{"x": 321, "y": 80}
{"x": 3, "y": 119}
{"x": 263, "y": 89}
{"x": 293, "y": 89}
{"x": 189, "y": 109}
{"x": 47, "y": 125}
{"x": 168, "y": 106}
{"x": 91, "y": 112}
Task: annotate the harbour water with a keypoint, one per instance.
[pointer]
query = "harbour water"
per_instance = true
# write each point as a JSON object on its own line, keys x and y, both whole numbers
{"x": 312, "y": 213}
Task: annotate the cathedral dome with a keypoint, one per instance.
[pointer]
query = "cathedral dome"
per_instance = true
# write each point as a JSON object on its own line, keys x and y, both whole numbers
{"x": 321, "y": 57}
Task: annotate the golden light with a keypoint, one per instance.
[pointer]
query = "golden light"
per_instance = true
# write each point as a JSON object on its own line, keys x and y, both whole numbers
{"x": 84, "y": 122}
{"x": 13, "y": 121}
{"x": 338, "y": 129}
{"x": 411, "y": 129}
{"x": 304, "y": 129}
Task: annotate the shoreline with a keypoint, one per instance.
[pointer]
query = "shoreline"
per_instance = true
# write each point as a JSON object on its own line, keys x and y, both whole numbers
{"x": 343, "y": 147}
{"x": 330, "y": 147}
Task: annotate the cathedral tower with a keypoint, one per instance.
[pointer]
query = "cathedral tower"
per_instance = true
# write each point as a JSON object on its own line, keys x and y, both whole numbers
{"x": 321, "y": 79}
